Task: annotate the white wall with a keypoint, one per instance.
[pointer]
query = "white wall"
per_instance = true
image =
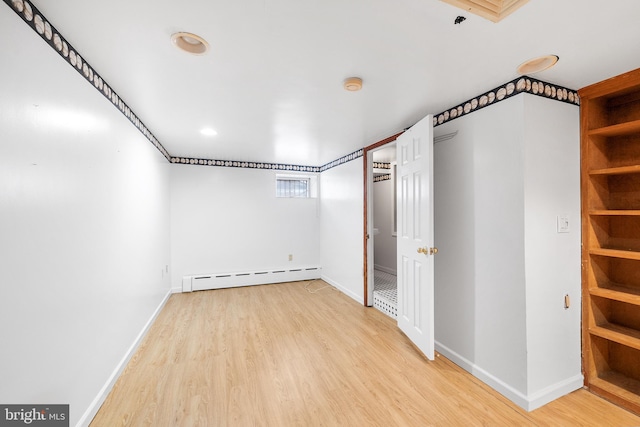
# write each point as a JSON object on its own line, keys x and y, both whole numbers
{"x": 479, "y": 231}
{"x": 341, "y": 228}
{"x": 384, "y": 243}
{"x": 84, "y": 242}
{"x": 229, "y": 220}
{"x": 552, "y": 188}
{"x": 499, "y": 238}
{"x": 502, "y": 270}
{"x": 454, "y": 236}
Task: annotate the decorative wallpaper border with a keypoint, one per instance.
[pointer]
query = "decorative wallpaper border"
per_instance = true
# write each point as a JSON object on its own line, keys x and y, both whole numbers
{"x": 248, "y": 165}
{"x": 265, "y": 165}
{"x": 381, "y": 165}
{"x": 380, "y": 178}
{"x": 524, "y": 84}
{"x": 342, "y": 160}
{"x": 38, "y": 23}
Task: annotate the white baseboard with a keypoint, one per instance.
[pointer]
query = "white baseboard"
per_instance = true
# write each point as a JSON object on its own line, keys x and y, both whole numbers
{"x": 386, "y": 269}
{"x": 201, "y": 282}
{"x": 554, "y": 391}
{"x": 526, "y": 402}
{"x": 342, "y": 289}
{"x": 498, "y": 385}
{"x": 93, "y": 408}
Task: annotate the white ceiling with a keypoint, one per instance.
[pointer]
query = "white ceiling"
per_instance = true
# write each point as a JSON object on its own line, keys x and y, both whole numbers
{"x": 271, "y": 84}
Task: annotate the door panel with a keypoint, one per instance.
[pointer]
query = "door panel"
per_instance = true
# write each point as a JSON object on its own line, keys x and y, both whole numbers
{"x": 415, "y": 237}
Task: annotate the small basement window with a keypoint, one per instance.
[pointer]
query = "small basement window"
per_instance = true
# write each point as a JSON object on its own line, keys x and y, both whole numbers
{"x": 299, "y": 186}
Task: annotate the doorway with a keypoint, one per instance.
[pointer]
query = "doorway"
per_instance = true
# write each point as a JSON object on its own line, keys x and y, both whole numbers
{"x": 384, "y": 231}
{"x": 414, "y": 232}
{"x": 379, "y": 222}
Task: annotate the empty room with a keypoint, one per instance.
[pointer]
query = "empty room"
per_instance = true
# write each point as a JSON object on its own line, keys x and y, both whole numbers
{"x": 288, "y": 213}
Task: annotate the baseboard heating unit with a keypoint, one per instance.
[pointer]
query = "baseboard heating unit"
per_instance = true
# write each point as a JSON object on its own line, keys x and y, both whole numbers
{"x": 201, "y": 282}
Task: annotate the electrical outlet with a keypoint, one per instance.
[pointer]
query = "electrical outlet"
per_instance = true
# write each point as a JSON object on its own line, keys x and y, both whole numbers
{"x": 290, "y": 257}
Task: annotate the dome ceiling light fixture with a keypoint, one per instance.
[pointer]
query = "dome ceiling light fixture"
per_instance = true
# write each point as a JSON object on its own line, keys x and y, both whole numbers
{"x": 190, "y": 43}
{"x": 353, "y": 84}
{"x": 538, "y": 64}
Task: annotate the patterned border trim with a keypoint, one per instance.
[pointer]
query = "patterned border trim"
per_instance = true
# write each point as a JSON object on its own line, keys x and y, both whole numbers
{"x": 356, "y": 154}
{"x": 248, "y": 165}
{"x": 380, "y": 178}
{"x": 381, "y": 165}
{"x": 263, "y": 165}
{"x": 36, "y": 20}
{"x": 524, "y": 84}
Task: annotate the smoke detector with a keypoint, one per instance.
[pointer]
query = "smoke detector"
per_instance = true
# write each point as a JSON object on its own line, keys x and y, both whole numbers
{"x": 353, "y": 84}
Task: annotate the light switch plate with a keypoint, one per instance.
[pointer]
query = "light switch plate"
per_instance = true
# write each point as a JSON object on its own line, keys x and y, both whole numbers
{"x": 562, "y": 223}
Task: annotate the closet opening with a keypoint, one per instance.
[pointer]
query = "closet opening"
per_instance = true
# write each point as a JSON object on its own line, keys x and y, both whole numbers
{"x": 380, "y": 241}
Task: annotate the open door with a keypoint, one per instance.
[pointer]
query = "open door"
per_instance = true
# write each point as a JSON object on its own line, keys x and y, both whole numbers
{"x": 415, "y": 235}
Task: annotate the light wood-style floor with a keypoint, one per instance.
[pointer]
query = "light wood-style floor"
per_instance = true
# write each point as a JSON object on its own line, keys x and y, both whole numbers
{"x": 278, "y": 355}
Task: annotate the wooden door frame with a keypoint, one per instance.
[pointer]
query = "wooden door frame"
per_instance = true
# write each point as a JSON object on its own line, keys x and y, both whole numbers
{"x": 365, "y": 235}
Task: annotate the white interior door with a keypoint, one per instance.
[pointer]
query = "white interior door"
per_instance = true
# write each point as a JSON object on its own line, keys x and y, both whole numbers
{"x": 415, "y": 234}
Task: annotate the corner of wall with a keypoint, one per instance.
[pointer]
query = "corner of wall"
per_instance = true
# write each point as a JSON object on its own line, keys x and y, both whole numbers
{"x": 94, "y": 407}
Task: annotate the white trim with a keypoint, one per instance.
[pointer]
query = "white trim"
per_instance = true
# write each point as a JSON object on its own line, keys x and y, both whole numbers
{"x": 371, "y": 230}
{"x": 187, "y": 284}
{"x": 385, "y": 269}
{"x": 554, "y": 391}
{"x": 93, "y": 408}
{"x": 200, "y": 282}
{"x": 344, "y": 290}
{"x": 498, "y": 385}
{"x": 526, "y": 402}
{"x": 310, "y": 177}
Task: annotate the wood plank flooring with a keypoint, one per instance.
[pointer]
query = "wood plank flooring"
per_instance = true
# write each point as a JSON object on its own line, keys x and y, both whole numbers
{"x": 278, "y": 355}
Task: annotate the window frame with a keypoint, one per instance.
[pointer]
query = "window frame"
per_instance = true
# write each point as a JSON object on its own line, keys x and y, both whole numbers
{"x": 311, "y": 183}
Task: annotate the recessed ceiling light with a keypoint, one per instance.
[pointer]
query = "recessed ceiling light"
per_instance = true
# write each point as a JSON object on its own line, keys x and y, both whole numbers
{"x": 208, "y": 132}
{"x": 353, "y": 84}
{"x": 536, "y": 65}
{"x": 190, "y": 43}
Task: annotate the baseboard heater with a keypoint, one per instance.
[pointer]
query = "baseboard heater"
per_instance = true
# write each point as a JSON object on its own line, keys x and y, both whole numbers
{"x": 201, "y": 282}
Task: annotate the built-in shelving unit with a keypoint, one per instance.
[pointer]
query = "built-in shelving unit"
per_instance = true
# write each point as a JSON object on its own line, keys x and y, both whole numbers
{"x": 610, "y": 144}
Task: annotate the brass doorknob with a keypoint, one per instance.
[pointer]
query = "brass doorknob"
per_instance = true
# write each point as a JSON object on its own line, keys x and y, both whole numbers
{"x": 428, "y": 251}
